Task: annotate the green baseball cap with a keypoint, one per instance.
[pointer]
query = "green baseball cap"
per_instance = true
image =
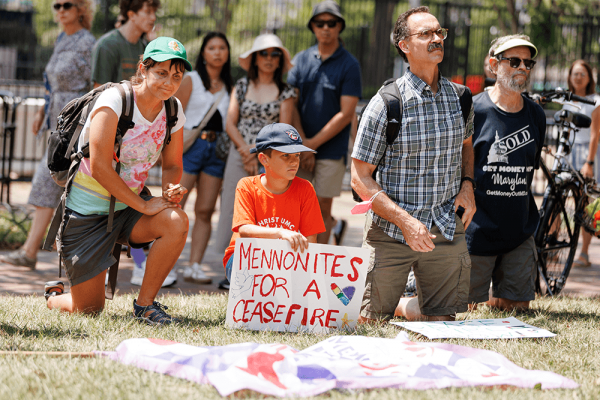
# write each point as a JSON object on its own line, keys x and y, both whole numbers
{"x": 165, "y": 48}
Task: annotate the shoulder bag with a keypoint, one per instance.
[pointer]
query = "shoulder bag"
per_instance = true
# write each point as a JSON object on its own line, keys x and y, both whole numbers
{"x": 190, "y": 135}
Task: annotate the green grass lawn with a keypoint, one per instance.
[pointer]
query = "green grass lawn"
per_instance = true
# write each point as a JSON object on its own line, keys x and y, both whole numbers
{"x": 27, "y": 325}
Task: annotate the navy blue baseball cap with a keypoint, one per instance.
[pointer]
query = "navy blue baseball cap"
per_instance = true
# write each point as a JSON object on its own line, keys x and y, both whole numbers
{"x": 281, "y": 137}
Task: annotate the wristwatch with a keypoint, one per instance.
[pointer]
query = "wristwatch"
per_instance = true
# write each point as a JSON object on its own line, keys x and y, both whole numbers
{"x": 467, "y": 178}
{"x": 588, "y": 162}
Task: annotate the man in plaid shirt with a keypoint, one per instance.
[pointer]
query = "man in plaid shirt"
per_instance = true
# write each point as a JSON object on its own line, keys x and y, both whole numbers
{"x": 424, "y": 176}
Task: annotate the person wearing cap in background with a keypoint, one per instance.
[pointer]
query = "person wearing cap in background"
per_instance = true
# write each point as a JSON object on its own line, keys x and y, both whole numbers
{"x": 139, "y": 219}
{"x": 263, "y": 202}
{"x": 257, "y": 100}
{"x": 508, "y": 139}
{"x": 423, "y": 177}
{"x": 327, "y": 78}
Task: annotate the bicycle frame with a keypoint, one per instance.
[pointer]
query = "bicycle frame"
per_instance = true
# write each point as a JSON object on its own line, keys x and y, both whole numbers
{"x": 554, "y": 192}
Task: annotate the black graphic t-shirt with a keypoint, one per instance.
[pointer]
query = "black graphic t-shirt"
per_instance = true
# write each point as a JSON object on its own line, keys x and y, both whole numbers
{"x": 507, "y": 150}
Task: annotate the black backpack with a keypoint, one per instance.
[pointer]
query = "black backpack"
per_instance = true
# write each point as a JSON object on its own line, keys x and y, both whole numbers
{"x": 63, "y": 144}
{"x": 392, "y": 99}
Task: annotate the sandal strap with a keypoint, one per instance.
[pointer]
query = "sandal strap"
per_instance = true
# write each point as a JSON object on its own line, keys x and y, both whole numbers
{"x": 153, "y": 314}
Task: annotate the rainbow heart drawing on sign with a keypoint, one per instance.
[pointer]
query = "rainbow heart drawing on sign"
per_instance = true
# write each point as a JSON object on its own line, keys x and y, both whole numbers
{"x": 345, "y": 294}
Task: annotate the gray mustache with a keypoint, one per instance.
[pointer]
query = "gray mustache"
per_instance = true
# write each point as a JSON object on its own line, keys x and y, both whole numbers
{"x": 434, "y": 46}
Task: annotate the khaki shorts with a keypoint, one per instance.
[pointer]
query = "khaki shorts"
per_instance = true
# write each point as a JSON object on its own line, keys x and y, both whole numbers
{"x": 512, "y": 275}
{"x": 327, "y": 177}
{"x": 442, "y": 274}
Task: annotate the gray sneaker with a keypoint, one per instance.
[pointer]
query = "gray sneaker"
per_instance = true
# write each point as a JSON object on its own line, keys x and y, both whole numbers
{"x": 19, "y": 258}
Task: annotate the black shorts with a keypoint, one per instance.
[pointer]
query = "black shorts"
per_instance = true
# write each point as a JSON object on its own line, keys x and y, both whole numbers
{"x": 86, "y": 247}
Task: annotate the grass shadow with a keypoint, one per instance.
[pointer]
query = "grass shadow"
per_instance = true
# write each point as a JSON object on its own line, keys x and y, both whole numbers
{"x": 51, "y": 331}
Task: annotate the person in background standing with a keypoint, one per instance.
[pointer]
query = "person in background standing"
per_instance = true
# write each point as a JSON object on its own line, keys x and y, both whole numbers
{"x": 585, "y": 154}
{"x": 68, "y": 77}
{"x": 257, "y": 100}
{"x": 328, "y": 83}
{"x": 210, "y": 82}
{"x": 117, "y": 52}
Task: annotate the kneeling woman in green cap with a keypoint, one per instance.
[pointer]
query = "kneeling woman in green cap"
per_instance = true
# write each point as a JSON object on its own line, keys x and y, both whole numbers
{"x": 84, "y": 242}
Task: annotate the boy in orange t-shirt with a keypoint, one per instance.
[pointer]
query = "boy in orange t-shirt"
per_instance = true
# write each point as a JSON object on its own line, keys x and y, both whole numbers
{"x": 276, "y": 204}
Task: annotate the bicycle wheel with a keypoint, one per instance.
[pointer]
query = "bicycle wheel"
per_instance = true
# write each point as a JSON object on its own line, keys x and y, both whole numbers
{"x": 558, "y": 243}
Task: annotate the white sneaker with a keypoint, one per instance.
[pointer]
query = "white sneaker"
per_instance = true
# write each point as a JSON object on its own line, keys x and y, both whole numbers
{"x": 195, "y": 274}
{"x": 171, "y": 279}
{"x": 138, "y": 276}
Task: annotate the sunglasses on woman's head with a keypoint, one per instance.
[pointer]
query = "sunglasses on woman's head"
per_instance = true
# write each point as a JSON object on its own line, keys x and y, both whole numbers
{"x": 330, "y": 23}
{"x": 66, "y": 6}
{"x": 273, "y": 54}
{"x": 515, "y": 62}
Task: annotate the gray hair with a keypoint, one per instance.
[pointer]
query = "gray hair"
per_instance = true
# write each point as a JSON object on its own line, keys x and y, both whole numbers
{"x": 503, "y": 39}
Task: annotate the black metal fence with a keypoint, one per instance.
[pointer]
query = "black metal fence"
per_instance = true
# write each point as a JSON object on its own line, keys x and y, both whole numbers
{"x": 27, "y": 37}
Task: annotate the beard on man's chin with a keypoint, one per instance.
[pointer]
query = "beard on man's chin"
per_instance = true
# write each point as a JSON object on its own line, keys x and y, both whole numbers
{"x": 511, "y": 83}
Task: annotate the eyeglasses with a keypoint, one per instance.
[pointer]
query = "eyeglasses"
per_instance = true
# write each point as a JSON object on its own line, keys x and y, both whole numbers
{"x": 273, "y": 54}
{"x": 66, "y": 6}
{"x": 580, "y": 74}
{"x": 515, "y": 62}
{"x": 330, "y": 23}
{"x": 427, "y": 34}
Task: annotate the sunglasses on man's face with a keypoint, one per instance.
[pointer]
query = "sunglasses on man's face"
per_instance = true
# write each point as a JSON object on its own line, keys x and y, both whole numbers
{"x": 66, "y": 6}
{"x": 515, "y": 62}
{"x": 273, "y": 54}
{"x": 330, "y": 23}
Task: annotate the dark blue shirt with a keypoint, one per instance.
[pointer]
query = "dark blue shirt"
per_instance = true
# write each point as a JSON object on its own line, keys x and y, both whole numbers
{"x": 321, "y": 85}
{"x": 507, "y": 150}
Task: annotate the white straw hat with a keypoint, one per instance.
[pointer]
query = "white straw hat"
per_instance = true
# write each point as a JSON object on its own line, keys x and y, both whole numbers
{"x": 263, "y": 42}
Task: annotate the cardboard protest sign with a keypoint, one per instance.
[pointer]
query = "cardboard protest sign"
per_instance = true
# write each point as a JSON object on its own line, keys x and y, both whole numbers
{"x": 499, "y": 328}
{"x": 272, "y": 287}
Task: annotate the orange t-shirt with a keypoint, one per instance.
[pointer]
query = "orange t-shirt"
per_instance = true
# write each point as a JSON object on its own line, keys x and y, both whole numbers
{"x": 297, "y": 209}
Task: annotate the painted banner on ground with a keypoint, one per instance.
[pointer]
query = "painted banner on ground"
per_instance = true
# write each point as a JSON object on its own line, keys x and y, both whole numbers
{"x": 272, "y": 287}
{"x": 342, "y": 362}
{"x": 502, "y": 328}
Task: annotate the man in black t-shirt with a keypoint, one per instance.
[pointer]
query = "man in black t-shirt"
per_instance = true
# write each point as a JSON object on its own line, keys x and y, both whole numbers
{"x": 508, "y": 138}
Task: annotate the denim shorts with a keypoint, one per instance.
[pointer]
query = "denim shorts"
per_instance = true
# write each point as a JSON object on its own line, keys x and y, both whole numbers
{"x": 201, "y": 157}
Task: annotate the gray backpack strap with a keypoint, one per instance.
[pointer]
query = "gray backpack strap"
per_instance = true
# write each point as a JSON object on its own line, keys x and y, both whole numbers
{"x": 125, "y": 123}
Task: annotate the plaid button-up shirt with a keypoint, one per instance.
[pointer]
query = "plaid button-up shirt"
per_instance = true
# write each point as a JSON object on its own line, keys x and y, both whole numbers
{"x": 421, "y": 170}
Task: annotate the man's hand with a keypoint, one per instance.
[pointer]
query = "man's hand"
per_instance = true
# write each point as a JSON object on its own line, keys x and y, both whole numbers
{"x": 417, "y": 236}
{"x": 307, "y": 161}
{"x": 296, "y": 239}
{"x": 466, "y": 199}
{"x": 587, "y": 171}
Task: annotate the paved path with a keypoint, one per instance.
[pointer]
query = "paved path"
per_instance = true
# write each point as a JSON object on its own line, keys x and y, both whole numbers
{"x": 19, "y": 280}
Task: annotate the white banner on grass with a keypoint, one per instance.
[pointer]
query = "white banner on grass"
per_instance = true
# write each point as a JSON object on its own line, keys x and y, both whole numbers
{"x": 342, "y": 362}
{"x": 502, "y": 328}
{"x": 275, "y": 288}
